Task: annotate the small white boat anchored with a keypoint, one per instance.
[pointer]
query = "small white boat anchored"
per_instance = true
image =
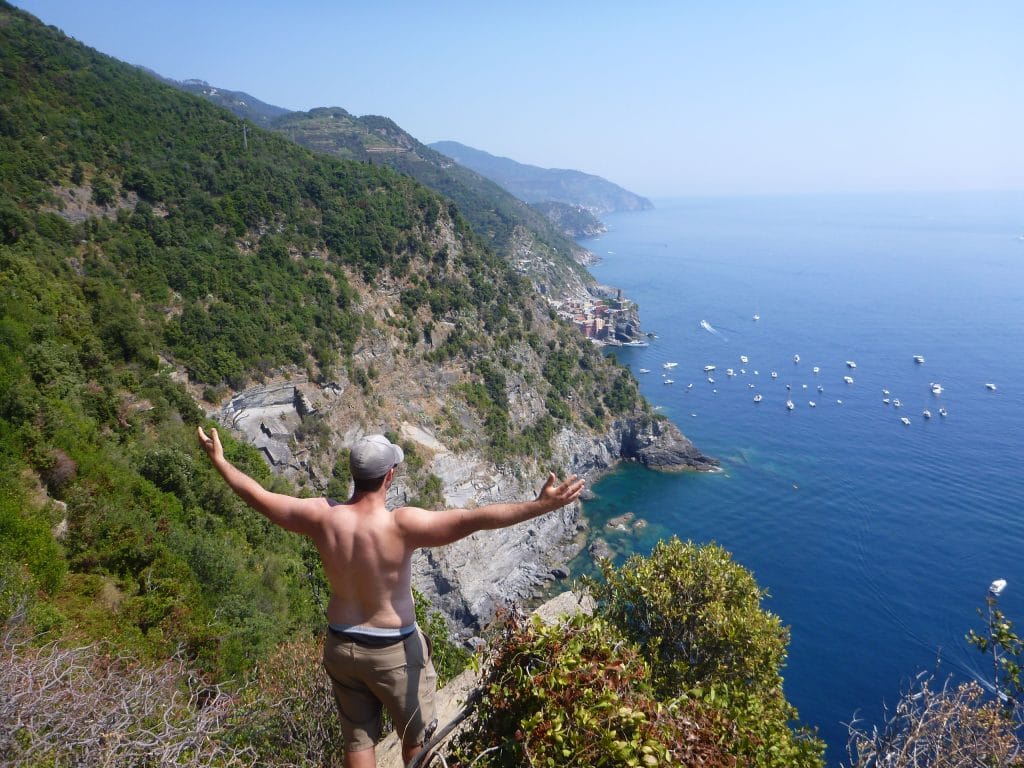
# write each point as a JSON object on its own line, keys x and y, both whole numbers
{"x": 812, "y": 404}
{"x": 996, "y": 587}
{"x": 796, "y": 358}
{"x": 669, "y": 365}
{"x": 926, "y": 413}
{"x": 905, "y": 420}
{"x": 757, "y": 398}
{"x": 744, "y": 359}
{"x": 710, "y": 380}
{"x": 990, "y": 387}
{"x": 729, "y": 372}
{"x": 690, "y": 385}
{"x": 848, "y": 379}
{"x": 708, "y": 368}
{"x": 885, "y": 400}
{"x": 775, "y": 375}
{"x": 645, "y": 370}
{"x": 815, "y": 369}
{"x": 896, "y": 403}
{"x": 756, "y": 318}
{"x": 669, "y": 381}
{"x": 936, "y": 388}
{"x": 943, "y": 412}
{"x": 919, "y": 359}
{"x": 885, "y": 391}
{"x": 789, "y": 405}
{"x": 821, "y": 388}
{"x": 850, "y": 364}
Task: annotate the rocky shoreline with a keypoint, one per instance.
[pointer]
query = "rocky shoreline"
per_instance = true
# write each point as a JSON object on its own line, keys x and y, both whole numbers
{"x": 471, "y": 579}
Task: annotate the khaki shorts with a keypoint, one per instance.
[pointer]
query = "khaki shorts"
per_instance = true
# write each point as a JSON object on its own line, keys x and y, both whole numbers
{"x": 399, "y": 677}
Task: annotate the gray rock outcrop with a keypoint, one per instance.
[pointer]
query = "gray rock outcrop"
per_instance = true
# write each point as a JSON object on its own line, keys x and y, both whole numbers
{"x": 472, "y": 578}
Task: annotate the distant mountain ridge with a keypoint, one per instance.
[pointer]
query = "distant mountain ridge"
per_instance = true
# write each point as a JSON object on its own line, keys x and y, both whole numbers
{"x": 242, "y": 104}
{"x": 538, "y": 185}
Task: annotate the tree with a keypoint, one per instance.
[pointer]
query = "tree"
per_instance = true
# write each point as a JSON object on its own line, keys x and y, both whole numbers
{"x": 696, "y": 616}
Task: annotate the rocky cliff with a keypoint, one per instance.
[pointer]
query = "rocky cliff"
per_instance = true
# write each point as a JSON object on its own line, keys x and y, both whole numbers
{"x": 471, "y": 579}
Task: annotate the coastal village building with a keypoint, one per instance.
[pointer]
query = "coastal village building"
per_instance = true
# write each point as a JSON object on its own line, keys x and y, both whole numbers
{"x": 610, "y": 320}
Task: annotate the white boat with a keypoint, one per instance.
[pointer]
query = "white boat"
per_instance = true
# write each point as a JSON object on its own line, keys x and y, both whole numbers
{"x": 645, "y": 370}
{"x": 896, "y": 403}
{"x": 848, "y": 379}
{"x": 775, "y": 375}
{"x": 729, "y": 372}
{"x": 839, "y": 402}
{"x": 669, "y": 365}
{"x": 708, "y": 368}
{"x": 669, "y": 381}
{"x": 796, "y": 358}
{"x": 757, "y": 398}
{"x": 811, "y": 403}
{"x": 919, "y": 359}
{"x": 905, "y": 420}
{"x": 943, "y": 412}
{"x": 885, "y": 391}
{"x": 635, "y": 343}
{"x": 743, "y": 359}
{"x": 816, "y": 369}
{"x": 789, "y": 405}
{"x": 996, "y": 587}
{"x": 990, "y": 387}
{"x": 756, "y": 318}
{"x": 710, "y": 380}
{"x": 821, "y": 388}
{"x": 926, "y": 413}
{"x": 743, "y": 370}
{"x": 885, "y": 400}
{"x": 789, "y": 386}
{"x": 690, "y": 385}
{"x": 850, "y": 364}
{"x": 936, "y": 388}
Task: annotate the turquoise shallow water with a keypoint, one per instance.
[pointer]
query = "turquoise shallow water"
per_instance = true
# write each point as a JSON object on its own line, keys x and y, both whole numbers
{"x": 876, "y": 540}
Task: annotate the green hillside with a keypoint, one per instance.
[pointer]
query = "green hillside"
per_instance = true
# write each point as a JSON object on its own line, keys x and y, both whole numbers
{"x": 508, "y": 224}
{"x": 157, "y": 254}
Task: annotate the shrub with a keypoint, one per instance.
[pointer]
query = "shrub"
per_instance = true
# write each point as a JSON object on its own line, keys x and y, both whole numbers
{"x": 576, "y": 694}
{"x": 939, "y": 727}
{"x": 697, "y": 617}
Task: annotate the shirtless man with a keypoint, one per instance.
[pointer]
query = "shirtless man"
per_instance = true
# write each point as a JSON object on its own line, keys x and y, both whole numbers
{"x": 374, "y": 653}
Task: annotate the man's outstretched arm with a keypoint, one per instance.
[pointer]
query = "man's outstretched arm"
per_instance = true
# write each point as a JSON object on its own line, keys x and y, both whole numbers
{"x": 290, "y": 513}
{"x": 425, "y": 528}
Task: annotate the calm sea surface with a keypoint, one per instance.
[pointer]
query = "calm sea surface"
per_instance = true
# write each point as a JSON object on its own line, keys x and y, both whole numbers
{"x": 876, "y": 541}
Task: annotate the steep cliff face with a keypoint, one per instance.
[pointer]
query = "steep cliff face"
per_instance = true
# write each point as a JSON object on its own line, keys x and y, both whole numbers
{"x": 470, "y": 579}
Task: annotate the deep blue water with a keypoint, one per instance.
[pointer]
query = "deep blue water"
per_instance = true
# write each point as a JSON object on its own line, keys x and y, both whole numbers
{"x": 876, "y": 541}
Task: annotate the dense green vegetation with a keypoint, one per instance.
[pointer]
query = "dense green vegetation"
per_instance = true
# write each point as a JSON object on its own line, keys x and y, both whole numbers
{"x": 493, "y": 213}
{"x": 679, "y": 666}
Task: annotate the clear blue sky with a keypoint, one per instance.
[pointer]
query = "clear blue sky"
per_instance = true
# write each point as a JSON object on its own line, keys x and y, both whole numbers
{"x": 663, "y": 98}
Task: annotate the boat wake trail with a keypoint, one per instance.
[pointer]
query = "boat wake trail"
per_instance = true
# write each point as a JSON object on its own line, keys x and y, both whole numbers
{"x": 711, "y": 329}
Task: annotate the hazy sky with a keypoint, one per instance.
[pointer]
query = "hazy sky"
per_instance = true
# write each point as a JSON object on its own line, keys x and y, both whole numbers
{"x": 663, "y": 98}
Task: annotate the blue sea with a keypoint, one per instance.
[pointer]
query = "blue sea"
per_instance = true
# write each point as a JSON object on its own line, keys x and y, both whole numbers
{"x": 876, "y": 540}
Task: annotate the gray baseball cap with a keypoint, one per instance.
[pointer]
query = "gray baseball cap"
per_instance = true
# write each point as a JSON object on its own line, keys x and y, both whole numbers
{"x": 372, "y": 456}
